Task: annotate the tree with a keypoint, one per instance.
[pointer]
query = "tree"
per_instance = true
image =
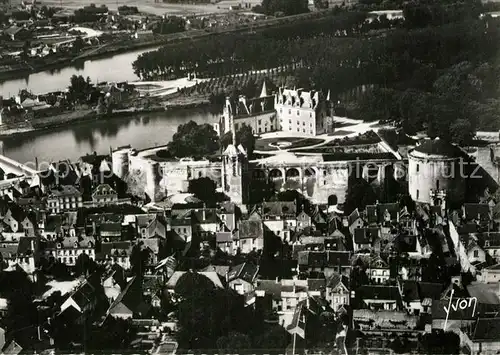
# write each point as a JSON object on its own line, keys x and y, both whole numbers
{"x": 234, "y": 343}
{"x": 84, "y": 265}
{"x": 207, "y": 313}
{"x": 80, "y": 88}
{"x": 22, "y": 316}
{"x": 359, "y": 194}
{"x": 439, "y": 342}
{"x": 205, "y": 189}
{"x": 462, "y": 132}
{"x": 320, "y": 4}
{"x": 272, "y": 339}
{"x": 193, "y": 140}
{"x": 193, "y": 285}
{"x": 138, "y": 259}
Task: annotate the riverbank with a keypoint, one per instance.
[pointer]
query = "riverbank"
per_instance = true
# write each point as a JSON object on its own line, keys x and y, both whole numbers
{"x": 84, "y": 116}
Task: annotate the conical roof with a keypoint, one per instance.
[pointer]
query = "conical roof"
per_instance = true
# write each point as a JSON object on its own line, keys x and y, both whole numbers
{"x": 263, "y": 92}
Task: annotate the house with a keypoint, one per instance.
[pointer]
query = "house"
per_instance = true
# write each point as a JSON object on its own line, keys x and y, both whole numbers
{"x": 116, "y": 253}
{"x": 476, "y": 212}
{"x": 383, "y": 213}
{"x": 18, "y": 220}
{"x": 364, "y": 239}
{"x": 241, "y": 277}
{"x": 280, "y": 217}
{"x": 15, "y": 33}
{"x": 337, "y": 291}
{"x": 130, "y": 303}
{"x": 285, "y": 295}
{"x": 379, "y": 297}
{"x": 354, "y": 221}
{"x": 228, "y": 214}
{"x": 225, "y": 242}
{"x": 64, "y": 198}
{"x": 418, "y": 297}
{"x": 87, "y": 298}
{"x": 378, "y": 270}
{"x": 491, "y": 244}
{"x": 182, "y": 223}
{"x": 303, "y": 220}
{"x": 324, "y": 262}
{"x": 490, "y": 274}
{"x": 68, "y": 249}
{"x": 485, "y": 338}
{"x": 22, "y": 252}
{"x": 250, "y": 236}
{"x": 104, "y": 195}
{"x": 306, "y": 319}
{"x": 114, "y": 281}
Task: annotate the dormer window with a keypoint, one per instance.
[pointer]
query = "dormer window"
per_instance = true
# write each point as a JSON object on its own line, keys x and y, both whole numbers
{"x": 76, "y": 245}
{"x": 59, "y": 245}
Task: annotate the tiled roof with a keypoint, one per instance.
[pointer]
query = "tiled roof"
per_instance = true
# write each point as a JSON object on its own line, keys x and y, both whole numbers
{"x": 474, "y": 210}
{"x": 379, "y": 292}
{"x": 487, "y": 330}
{"x": 353, "y": 217}
{"x": 250, "y": 229}
{"x": 279, "y": 208}
{"x": 246, "y": 271}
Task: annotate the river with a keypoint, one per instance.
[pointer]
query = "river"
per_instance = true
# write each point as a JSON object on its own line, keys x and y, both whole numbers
{"x": 71, "y": 142}
{"x": 141, "y": 131}
{"x": 116, "y": 68}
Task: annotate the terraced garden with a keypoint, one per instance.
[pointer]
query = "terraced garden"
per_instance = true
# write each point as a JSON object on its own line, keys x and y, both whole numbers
{"x": 285, "y": 143}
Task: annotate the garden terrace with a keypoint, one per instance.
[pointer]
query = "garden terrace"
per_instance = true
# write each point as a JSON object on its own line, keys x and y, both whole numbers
{"x": 273, "y": 144}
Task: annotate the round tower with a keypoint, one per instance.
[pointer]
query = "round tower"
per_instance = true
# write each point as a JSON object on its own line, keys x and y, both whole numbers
{"x": 436, "y": 169}
{"x": 120, "y": 158}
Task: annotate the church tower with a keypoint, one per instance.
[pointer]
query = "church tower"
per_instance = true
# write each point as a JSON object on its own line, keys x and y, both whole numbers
{"x": 235, "y": 170}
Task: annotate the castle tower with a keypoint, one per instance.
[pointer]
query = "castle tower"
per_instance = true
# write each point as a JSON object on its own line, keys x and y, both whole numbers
{"x": 235, "y": 169}
{"x": 120, "y": 162}
{"x": 153, "y": 178}
{"x": 435, "y": 168}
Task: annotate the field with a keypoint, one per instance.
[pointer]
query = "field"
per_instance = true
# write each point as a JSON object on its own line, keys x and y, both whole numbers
{"x": 148, "y": 6}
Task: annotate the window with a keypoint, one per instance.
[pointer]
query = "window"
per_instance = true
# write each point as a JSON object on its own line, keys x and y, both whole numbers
{"x": 304, "y": 130}
{"x": 418, "y": 168}
{"x": 418, "y": 193}
{"x": 298, "y": 129}
{"x": 476, "y": 253}
{"x": 281, "y": 110}
{"x": 260, "y": 122}
{"x": 289, "y": 111}
{"x": 289, "y": 121}
{"x": 303, "y": 123}
{"x": 310, "y": 114}
{"x": 437, "y": 184}
{"x": 298, "y": 113}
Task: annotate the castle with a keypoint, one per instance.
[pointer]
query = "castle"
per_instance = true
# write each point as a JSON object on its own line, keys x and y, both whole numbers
{"x": 322, "y": 178}
{"x": 295, "y": 111}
